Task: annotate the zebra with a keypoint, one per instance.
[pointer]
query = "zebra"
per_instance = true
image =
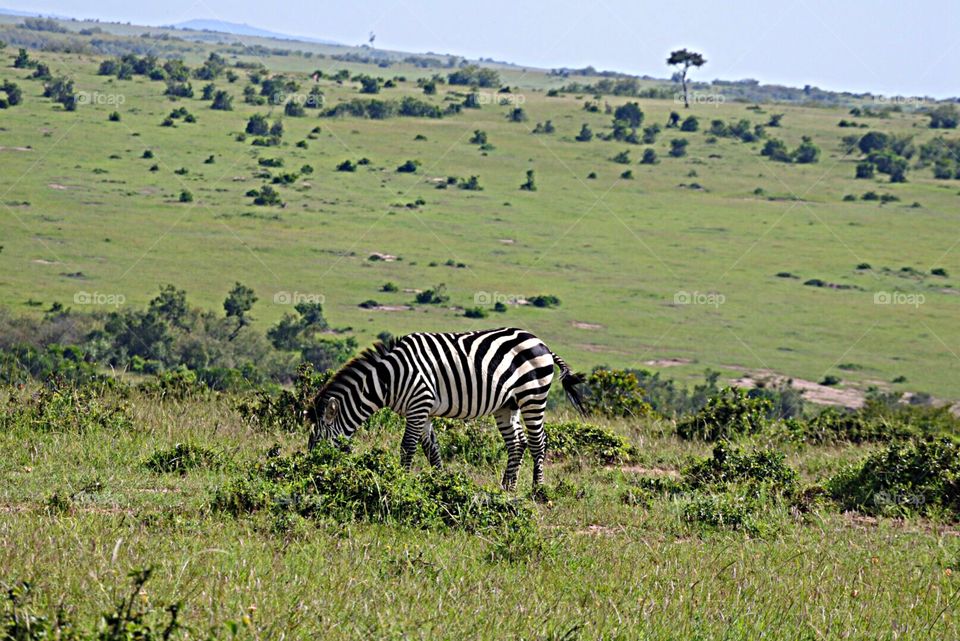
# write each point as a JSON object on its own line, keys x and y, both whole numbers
{"x": 505, "y": 372}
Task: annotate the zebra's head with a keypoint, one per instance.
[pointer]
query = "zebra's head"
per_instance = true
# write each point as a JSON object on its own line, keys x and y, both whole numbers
{"x": 325, "y": 419}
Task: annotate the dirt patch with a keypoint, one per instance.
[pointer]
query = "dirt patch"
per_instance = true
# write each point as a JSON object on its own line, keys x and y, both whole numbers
{"x": 813, "y": 392}
{"x": 583, "y": 325}
{"x": 647, "y": 471}
{"x": 506, "y": 241}
{"x": 601, "y": 530}
{"x": 387, "y": 258}
{"x": 15, "y": 148}
{"x": 390, "y": 308}
{"x": 43, "y": 261}
{"x": 668, "y": 362}
{"x": 58, "y": 186}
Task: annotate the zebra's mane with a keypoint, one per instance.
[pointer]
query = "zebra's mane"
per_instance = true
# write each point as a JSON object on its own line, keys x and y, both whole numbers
{"x": 370, "y": 355}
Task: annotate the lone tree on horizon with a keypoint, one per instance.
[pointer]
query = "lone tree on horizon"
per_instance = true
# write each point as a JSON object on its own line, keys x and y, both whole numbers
{"x": 687, "y": 59}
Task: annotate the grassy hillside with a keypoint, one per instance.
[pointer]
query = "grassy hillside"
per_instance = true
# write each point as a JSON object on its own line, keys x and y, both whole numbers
{"x": 85, "y": 503}
{"x": 83, "y": 213}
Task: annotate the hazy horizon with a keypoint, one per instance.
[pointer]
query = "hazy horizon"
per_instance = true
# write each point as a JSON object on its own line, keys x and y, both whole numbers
{"x": 858, "y": 47}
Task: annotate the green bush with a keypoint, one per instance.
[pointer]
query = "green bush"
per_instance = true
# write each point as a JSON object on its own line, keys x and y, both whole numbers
{"x": 183, "y": 457}
{"x": 587, "y": 441}
{"x": 328, "y": 483}
{"x": 615, "y": 393}
{"x": 60, "y": 407}
{"x": 904, "y": 478}
{"x": 729, "y": 414}
{"x": 728, "y": 464}
{"x": 474, "y": 442}
{"x": 283, "y": 411}
{"x": 726, "y": 510}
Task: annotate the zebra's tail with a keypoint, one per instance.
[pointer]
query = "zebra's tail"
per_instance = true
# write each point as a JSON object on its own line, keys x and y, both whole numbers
{"x": 570, "y": 380}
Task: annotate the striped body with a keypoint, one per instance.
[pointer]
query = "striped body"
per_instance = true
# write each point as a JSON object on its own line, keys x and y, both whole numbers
{"x": 505, "y": 372}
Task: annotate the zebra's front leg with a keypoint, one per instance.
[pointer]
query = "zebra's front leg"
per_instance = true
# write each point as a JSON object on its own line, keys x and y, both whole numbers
{"x": 411, "y": 436}
{"x": 508, "y": 422}
{"x": 430, "y": 445}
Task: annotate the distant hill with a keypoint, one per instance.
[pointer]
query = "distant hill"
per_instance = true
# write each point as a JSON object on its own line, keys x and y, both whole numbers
{"x": 243, "y": 30}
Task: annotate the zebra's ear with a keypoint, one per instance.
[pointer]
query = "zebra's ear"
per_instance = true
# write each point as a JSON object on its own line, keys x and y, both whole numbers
{"x": 330, "y": 412}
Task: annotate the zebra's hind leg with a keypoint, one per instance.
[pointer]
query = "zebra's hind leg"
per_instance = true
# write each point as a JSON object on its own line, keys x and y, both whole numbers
{"x": 428, "y": 441}
{"x": 533, "y": 418}
{"x": 416, "y": 426}
{"x": 508, "y": 422}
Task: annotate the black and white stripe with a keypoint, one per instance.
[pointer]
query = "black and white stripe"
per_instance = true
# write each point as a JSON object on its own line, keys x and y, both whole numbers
{"x": 504, "y": 372}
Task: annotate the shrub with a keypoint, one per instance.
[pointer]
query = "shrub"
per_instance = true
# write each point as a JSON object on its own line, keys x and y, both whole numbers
{"x": 585, "y": 135}
{"x": 585, "y": 440}
{"x": 544, "y": 300}
{"x": 470, "y": 184}
{"x": 475, "y": 442}
{"x": 267, "y": 196}
{"x": 806, "y": 153}
{"x": 726, "y": 510}
{"x": 728, "y": 464}
{"x": 409, "y": 167}
{"x": 347, "y": 165}
{"x": 285, "y": 410}
{"x": 776, "y": 150}
{"x": 475, "y": 312}
{"x": 222, "y": 101}
{"x": 678, "y": 147}
{"x": 371, "y": 486}
{"x": 435, "y": 296}
{"x": 293, "y": 109}
{"x": 60, "y": 407}
{"x": 615, "y": 393}
{"x": 517, "y": 114}
{"x": 622, "y": 158}
{"x": 183, "y": 457}
{"x": 690, "y": 123}
{"x": 531, "y": 183}
{"x": 185, "y": 196}
{"x": 865, "y": 169}
{"x": 915, "y": 477}
{"x": 257, "y": 125}
{"x": 729, "y": 414}
{"x": 649, "y": 156}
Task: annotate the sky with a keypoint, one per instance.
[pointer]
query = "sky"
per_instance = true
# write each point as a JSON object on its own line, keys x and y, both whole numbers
{"x": 886, "y": 47}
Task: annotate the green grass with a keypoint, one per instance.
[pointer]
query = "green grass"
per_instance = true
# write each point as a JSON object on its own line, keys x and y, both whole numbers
{"x": 600, "y": 567}
{"x": 616, "y": 252}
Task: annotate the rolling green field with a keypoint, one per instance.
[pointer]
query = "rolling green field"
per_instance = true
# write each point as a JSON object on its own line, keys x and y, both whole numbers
{"x": 693, "y": 263}
{"x": 82, "y": 213}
